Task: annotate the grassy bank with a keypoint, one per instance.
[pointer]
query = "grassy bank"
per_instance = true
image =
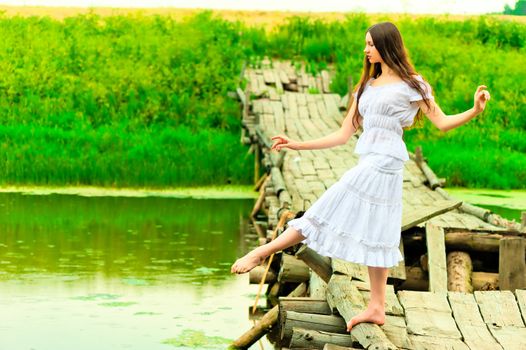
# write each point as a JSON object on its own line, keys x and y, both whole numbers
{"x": 135, "y": 99}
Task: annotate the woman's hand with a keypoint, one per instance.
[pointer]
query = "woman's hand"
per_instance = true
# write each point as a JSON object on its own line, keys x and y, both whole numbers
{"x": 481, "y": 97}
{"x": 282, "y": 141}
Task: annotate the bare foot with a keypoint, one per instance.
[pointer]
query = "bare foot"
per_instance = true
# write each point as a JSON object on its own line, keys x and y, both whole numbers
{"x": 372, "y": 314}
{"x": 246, "y": 263}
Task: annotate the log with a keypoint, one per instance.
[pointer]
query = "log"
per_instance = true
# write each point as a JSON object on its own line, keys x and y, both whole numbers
{"x": 277, "y": 180}
{"x": 303, "y": 304}
{"x": 326, "y": 323}
{"x": 317, "y": 287}
{"x": 318, "y": 263}
{"x": 337, "y": 347}
{"x": 459, "y": 270}
{"x": 512, "y": 264}
{"x": 417, "y": 280}
{"x": 292, "y": 269}
{"x": 343, "y": 295}
{"x": 266, "y": 322}
{"x": 465, "y": 240}
{"x": 485, "y": 280}
{"x": 310, "y": 339}
{"x": 255, "y": 275}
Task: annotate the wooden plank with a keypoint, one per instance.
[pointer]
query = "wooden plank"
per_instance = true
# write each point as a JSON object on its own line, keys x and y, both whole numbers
{"x": 268, "y": 76}
{"x": 436, "y": 250}
{"x": 521, "y": 300}
{"x": 396, "y": 331}
{"x": 413, "y": 218}
{"x": 326, "y": 81}
{"x": 502, "y": 317}
{"x": 474, "y": 331}
{"x": 356, "y": 271}
{"x": 491, "y": 305}
{"x": 428, "y": 314}
{"x": 392, "y": 305}
{"x": 436, "y": 343}
{"x": 349, "y": 302}
{"x": 512, "y": 264}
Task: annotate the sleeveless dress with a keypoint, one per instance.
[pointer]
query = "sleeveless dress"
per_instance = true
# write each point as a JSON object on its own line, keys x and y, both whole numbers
{"x": 359, "y": 218}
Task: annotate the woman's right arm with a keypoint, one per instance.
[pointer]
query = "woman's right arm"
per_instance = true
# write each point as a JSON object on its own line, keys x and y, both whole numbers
{"x": 338, "y": 137}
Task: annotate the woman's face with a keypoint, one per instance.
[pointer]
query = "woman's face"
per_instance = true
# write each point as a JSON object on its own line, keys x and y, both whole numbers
{"x": 370, "y": 50}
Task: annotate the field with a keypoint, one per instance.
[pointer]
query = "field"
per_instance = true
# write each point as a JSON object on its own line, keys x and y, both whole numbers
{"x": 135, "y": 98}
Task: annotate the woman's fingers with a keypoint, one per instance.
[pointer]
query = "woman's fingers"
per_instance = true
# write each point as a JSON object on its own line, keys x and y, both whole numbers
{"x": 481, "y": 87}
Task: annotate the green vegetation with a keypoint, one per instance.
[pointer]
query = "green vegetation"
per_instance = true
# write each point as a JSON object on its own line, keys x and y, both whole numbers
{"x": 142, "y": 100}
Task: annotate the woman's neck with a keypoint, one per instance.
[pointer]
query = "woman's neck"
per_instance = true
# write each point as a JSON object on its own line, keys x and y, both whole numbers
{"x": 387, "y": 72}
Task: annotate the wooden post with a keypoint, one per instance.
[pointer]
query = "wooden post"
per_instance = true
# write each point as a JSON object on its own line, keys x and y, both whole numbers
{"x": 256, "y": 163}
{"x": 419, "y": 157}
{"x": 512, "y": 267}
{"x": 319, "y": 264}
{"x": 436, "y": 250}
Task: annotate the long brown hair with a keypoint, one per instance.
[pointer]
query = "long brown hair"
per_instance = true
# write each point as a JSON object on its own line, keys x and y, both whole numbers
{"x": 388, "y": 41}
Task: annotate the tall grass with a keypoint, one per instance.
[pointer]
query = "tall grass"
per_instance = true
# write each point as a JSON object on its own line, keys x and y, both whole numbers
{"x": 142, "y": 100}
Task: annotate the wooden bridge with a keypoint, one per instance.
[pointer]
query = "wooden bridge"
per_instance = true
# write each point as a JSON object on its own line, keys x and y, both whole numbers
{"x": 461, "y": 285}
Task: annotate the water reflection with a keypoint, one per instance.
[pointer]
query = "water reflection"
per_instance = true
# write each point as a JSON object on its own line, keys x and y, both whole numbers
{"x": 121, "y": 273}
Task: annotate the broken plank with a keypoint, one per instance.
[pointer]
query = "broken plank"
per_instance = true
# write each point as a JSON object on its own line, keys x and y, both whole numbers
{"x": 470, "y": 323}
{"x": 415, "y": 217}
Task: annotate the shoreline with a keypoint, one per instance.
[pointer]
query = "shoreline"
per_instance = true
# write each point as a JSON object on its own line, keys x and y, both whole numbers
{"x": 201, "y": 192}
{"x": 512, "y": 199}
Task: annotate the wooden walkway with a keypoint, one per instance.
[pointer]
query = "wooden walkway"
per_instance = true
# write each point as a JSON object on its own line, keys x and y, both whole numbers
{"x": 281, "y": 100}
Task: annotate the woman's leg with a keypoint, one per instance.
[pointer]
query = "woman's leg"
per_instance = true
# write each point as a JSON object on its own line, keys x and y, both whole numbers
{"x": 375, "y": 312}
{"x": 288, "y": 238}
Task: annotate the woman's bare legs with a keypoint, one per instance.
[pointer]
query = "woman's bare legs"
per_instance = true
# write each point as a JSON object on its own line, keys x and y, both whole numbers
{"x": 253, "y": 258}
{"x": 375, "y": 312}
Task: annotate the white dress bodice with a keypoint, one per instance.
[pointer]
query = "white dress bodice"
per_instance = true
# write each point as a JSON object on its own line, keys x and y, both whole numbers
{"x": 386, "y": 110}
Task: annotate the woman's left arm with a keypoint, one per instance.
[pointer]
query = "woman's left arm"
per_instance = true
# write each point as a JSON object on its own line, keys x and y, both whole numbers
{"x": 448, "y": 122}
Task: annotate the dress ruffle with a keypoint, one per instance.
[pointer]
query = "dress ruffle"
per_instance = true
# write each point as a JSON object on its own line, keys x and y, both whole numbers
{"x": 358, "y": 218}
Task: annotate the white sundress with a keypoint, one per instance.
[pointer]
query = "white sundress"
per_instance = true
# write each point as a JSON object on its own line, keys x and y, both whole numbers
{"x": 359, "y": 218}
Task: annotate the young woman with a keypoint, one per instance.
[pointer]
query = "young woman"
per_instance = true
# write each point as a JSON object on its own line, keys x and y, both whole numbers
{"x": 358, "y": 219}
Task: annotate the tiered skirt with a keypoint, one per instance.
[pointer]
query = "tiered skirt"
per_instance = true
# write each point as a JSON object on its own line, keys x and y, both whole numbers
{"x": 358, "y": 219}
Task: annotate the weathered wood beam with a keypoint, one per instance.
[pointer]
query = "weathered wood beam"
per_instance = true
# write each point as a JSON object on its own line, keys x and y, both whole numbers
{"x": 343, "y": 295}
{"x": 415, "y": 217}
{"x": 293, "y": 269}
{"x": 311, "y": 339}
{"x": 318, "y": 263}
{"x": 256, "y": 274}
{"x": 326, "y": 323}
{"x": 512, "y": 264}
{"x": 436, "y": 250}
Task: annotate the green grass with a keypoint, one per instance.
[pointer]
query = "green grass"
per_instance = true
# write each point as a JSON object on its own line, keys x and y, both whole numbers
{"x": 141, "y": 101}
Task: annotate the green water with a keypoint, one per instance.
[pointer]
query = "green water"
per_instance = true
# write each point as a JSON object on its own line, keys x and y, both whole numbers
{"x": 508, "y": 204}
{"x": 121, "y": 273}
